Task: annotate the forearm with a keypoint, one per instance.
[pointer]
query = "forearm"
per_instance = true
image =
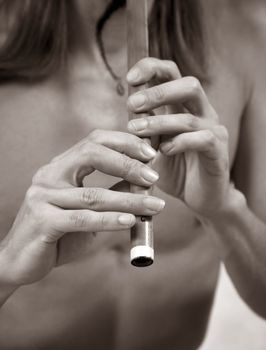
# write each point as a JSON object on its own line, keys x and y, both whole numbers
{"x": 241, "y": 241}
{"x": 7, "y": 288}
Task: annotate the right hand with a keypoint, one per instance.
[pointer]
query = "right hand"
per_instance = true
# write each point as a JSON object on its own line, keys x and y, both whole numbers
{"x": 56, "y": 203}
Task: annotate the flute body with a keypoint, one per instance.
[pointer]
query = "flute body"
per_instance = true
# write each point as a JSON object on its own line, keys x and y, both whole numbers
{"x": 142, "y": 250}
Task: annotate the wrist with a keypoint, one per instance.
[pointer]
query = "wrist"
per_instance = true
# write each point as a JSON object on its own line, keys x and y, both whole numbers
{"x": 7, "y": 285}
{"x": 222, "y": 224}
{"x": 7, "y": 288}
{"x": 233, "y": 206}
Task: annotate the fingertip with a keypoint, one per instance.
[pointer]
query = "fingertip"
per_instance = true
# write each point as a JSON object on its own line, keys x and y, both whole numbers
{"x": 130, "y": 107}
{"x": 137, "y": 125}
{"x": 133, "y": 76}
{"x": 131, "y": 127}
{"x": 149, "y": 175}
{"x": 136, "y": 101}
{"x": 154, "y": 204}
{"x": 148, "y": 151}
{"x": 127, "y": 220}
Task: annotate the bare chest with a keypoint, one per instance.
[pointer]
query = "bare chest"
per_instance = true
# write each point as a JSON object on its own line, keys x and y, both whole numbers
{"x": 42, "y": 121}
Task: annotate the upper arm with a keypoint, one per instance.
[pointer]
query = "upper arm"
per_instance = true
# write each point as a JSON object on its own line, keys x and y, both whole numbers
{"x": 249, "y": 172}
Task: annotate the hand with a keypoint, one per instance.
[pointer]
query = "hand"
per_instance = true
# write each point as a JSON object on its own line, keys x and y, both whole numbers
{"x": 193, "y": 159}
{"x": 56, "y": 203}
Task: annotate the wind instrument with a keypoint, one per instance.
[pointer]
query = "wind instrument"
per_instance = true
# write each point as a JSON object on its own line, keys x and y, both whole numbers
{"x": 142, "y": 250}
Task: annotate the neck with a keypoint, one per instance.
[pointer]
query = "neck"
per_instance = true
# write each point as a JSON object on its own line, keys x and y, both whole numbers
{"x": 86, "y": 53}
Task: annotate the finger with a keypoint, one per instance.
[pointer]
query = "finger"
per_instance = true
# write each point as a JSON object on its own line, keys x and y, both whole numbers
{"x": 63, "y": 221}
{"x": 89, "y": 157}
{"x": 211, "y": 147}
{"x": 120, "y": 165}
{"x": 187, "y": 91}
{"x": 166, "y": 124}
{"x": 128, "y": 144}
{"x": 121, "y": 142}
{"x": 204, "y": 141}
{"x": 150, "y": 68}
{"x": 99, "y": 199}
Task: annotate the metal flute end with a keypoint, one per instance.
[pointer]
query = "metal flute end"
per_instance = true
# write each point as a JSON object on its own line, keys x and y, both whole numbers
{"x": 142, "y": 252}
{"x": 141, "y": 256}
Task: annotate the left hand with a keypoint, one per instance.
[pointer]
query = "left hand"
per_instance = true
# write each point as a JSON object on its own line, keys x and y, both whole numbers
{"x": 193, "y": 160}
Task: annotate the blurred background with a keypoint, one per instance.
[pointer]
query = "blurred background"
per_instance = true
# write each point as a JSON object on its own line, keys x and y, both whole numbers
{"x": 233, "y": 326}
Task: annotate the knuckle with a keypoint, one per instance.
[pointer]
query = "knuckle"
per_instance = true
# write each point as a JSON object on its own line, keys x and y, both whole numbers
{"x": 209, "y": 138}
{"x": 154, "y": 64}
{"x": 144, "y": 61}
{"x": 145, "y": 64}
{"x": 222, "y": 166}
{"x": 192, "y": 122}
{"x": 37, "y": 211}
{"x": 103, "y": 221}
{"x": 96, "y": 136}
{"x": 86, "y": 149}
{"x": 150, "y": 61}
{"x": 156, "y": 94}
{"x": 128, "y": 203}
{"x": 33, "y": 194}
{"x": 213, "y": 114}
{"x": 223, "y": 132}
{"x": 41, "y": 174}
{"x": 225, "y": 164}
{"x": 194, "y": 85}
{"x": 78, "y": 220}
{"x": 157, "y": 121}
{"x": 128, "y": 165}
{"x": 172, "y": 65}
{"x": 91, "y": 197}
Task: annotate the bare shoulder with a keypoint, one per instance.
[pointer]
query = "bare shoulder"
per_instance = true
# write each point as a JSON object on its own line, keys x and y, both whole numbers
{"x": 238, "y": 32}
{"x": 250, "y": 17}
{"x": 251, "y": 12}
{"x": 245, "y": 15}
{"x": 237, "y": 39}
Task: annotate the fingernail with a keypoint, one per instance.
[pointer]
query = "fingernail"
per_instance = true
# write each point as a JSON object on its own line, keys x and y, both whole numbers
{"x": 149, "y": 175}
{"x": 137, "y": 125}
{"x": 126, "y": 219}
{"x": 166, "y": 147}
{"x": 137, "y": 100}
{"x": 133, "y": 75}
{"x": 148, "y": 151}
{"x": 154, "y": 204}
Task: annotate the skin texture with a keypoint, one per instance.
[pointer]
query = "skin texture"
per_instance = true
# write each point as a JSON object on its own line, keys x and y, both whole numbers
{"x": 98, "y": 300}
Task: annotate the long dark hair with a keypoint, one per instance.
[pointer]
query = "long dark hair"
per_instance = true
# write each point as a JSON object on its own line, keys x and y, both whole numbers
{"x": 39, "y": 38}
